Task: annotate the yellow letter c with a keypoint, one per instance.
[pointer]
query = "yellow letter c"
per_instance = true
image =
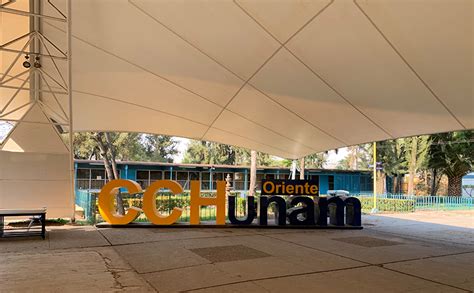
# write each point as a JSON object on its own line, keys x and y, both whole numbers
{"x": 149, "y": 202}
{"x": 106, "y": 201}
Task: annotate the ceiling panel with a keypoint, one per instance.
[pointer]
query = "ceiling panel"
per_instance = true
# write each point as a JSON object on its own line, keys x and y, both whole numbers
{"x": 105, "y": 75}
{"x": 343, "y": 47}
{"x": 123, "y": 30}
{"x": 233, "y": 139}
{"x": 234, "y": 123}
{"x": 35, "y": 137}
{"x": 294, "y": 86}
{"x": 169, "y": 67}
{"x": 108, "y": 115}
{"x": 437, "y": 40}
{"x": 255, "y": 106}
{"x": 219, "y": 28}
{"x": 282, "y": 18}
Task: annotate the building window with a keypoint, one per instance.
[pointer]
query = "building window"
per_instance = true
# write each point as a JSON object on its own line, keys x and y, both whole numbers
{"x": 239, "y": 181}
{"x": 205, "y": 181}
{"x": 193, "y": 175}
{"x": 331, "y": 182}
{"x": 167, "y": 175}
{"x": 98, "y": 178}
{"x": 156, "y": 175}
{"x": 143, "y": 178}
{"x": 82, "y": 178}
{"x": 283, "y": 176}
{"x": 270, "y": 176}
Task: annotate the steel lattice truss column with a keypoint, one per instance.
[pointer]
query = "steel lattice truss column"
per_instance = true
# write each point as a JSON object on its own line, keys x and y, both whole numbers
{"x": 35, "y": 69}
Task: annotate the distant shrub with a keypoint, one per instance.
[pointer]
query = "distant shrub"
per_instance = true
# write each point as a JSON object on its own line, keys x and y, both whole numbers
{"x": 388, "y": 204}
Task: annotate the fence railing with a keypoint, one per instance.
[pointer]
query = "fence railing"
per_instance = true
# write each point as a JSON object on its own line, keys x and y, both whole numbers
{"x": 87, "y": 200}
{"x": 426, "y": 202}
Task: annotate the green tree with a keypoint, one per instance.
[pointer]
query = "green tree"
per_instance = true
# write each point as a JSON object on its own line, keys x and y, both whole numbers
{"x": 85, "y": 147}
{"x": 358, "y": 158}
{"x": 392, "y": 154}
{"x": 128, "y": 146}
{"x": 416, "y": 157}
{"x": 453, "y": 155}
{"x": 205, "y": 152}
{"x": 159, "y": 148}
{"x": 317, "y": 160}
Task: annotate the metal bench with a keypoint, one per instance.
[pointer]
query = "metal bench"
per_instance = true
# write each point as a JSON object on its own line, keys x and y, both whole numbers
{"x": 38, "y": 215}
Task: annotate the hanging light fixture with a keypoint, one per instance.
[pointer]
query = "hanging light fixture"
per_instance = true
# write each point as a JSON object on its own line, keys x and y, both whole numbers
{"x": 27, "y": 63}
{"x": 37, "y": 64}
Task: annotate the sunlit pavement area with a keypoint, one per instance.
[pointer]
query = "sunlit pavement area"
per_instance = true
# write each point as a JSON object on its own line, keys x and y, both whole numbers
{"x": 417, "y": 252}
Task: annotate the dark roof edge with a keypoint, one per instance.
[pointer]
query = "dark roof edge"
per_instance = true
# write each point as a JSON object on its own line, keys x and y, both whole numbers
{"x": 206, "y": 165}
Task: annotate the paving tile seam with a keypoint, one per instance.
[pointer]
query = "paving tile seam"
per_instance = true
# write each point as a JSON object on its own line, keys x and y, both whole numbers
{"x": 173, "y": 269}
{"x": 421, "y": 239}
{"x": 103, "y": 236}
{"x": 427, "y": 257}
{"x": 258, "y": 285}
{"x": 277, "y": 277}
{"x": 180, "y": 239}
{"x": 378, "y": 264}
{"x": 56, "y": 249}
{"x": 320, "y": 250}
{"x": 425, "y": 279}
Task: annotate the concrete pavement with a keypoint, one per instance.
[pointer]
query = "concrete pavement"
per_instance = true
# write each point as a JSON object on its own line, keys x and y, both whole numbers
{"x": 420, "y": 252}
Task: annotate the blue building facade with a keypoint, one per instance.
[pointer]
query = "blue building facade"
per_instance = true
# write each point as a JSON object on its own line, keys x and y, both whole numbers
{"x": 92, "y": 175}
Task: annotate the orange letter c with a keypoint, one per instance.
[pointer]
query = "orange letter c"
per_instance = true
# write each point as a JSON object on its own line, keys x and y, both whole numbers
{"x": 106, "y": 202}
{"x": 149, "y": 202}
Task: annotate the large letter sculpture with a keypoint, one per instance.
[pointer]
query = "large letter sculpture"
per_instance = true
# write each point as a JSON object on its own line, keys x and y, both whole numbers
{"x": 106, "y": 202}
{"x": 197, "y": 201}
{"x": 149, "y": 202}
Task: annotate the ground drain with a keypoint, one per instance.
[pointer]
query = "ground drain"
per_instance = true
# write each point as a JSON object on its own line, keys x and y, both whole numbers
{"x": 367, "y": 241}
{"x": 229, "y": 253}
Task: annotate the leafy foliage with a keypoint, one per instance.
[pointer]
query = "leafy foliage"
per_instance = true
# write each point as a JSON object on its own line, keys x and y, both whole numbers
{"x": 388, "y": 204}
{"x": 358, "y": 158}
{"x": 128, "y": 146}
{"x": 206, "y": 152}
{"x": 453, "y": 154}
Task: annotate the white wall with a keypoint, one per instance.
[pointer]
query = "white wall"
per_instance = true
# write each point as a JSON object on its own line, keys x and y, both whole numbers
{"x": 35, "y": 168}
{"x": 35, "y": 180}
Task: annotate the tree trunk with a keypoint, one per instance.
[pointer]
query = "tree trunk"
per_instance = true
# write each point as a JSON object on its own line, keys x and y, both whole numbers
{"x": 455, "y": 185}
{"x": 398, "y": 180}
{"x": 111, "y": 174}
{"x": 113, "y": 156}
{"x": 113, "y": 162}
{"x": 104, "y": 155}
{"x": 302, "y": 168}
{"x": 253, "y": 172}
{"x": 412, "y": 166}
{"x": 434, "y": 187}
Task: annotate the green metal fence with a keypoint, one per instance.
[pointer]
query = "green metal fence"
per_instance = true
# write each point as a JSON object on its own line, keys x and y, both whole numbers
{"x": 422, "y": 202}
{"x": 87, "y": 201}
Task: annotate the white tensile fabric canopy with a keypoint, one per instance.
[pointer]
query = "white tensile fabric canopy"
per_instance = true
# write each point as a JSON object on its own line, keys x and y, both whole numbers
{"x": 286, "y": 77}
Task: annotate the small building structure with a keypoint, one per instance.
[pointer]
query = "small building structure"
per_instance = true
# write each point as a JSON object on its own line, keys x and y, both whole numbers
{"x": 91, "y": 174}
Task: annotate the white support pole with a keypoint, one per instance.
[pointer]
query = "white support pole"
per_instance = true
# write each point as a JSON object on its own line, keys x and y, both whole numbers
{"x": 374, "y": 209}
{"x": 69, "y": 91}
{"x": 293, "y": 170}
